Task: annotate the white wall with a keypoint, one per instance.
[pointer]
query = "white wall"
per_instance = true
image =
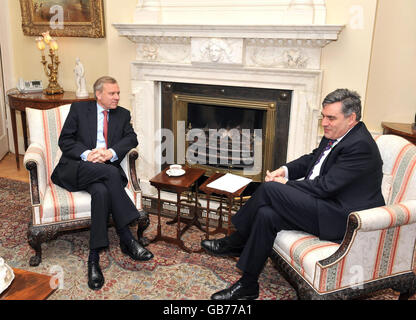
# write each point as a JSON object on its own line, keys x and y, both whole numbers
{"x": 391, "y": 92}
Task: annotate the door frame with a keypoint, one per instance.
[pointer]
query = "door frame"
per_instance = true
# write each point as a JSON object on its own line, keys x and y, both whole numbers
{"x": 4, "y": 136}
{"x": 8, "y": 65}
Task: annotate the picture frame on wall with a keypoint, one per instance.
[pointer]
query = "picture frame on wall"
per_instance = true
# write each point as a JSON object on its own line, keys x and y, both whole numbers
{"x": 63, "y": 18}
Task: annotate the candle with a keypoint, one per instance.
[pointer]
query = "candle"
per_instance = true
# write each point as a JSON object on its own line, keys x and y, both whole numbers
{"x": 53, "y": 44}
{"x": 40, "y": 44}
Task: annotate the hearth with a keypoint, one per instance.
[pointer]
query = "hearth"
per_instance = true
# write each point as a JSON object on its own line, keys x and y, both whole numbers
{"x": 225, "y": 129}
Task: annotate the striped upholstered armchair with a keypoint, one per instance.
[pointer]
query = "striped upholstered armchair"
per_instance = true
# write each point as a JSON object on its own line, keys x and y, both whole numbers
{"x": 379, "y": 247}
{"x": 54, "y": 209}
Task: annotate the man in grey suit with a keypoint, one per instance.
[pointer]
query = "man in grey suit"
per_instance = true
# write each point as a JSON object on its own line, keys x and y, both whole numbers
{"x": 314, "y": 193}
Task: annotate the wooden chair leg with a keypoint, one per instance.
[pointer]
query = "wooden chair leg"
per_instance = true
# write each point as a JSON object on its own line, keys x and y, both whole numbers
{"x": 406, "y": 294}
{"x": 36, "y": 236}
{"x": 34, "y": 241}
{"x": 143, "y": 223}
{"x": 37, "y": 258}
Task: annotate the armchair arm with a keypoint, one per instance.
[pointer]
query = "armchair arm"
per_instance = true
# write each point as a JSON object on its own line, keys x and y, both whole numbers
{"x": 385, "y": 217}
{"x": 35, "y": 162}
{"x": 129, "y": 166}
{"x": 133, "y": 155}
{"x": 374, "y": 219}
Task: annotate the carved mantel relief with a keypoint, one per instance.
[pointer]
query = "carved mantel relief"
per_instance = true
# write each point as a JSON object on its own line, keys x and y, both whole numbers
{"x": 216, "y": 50}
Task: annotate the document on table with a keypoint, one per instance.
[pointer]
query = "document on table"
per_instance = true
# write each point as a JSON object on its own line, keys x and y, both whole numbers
{"x": 229, "y": 182}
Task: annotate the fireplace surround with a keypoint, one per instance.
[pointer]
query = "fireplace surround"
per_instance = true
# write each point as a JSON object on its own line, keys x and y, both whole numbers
{"x": 283, "y": 57}
{"x": 234, "y": 129}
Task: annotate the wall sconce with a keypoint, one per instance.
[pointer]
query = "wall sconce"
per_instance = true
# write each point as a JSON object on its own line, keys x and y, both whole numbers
{"x": 51, "y": 69}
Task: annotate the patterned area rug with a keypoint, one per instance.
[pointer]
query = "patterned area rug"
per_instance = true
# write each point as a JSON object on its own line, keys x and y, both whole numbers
{"x": 171, "y": 275}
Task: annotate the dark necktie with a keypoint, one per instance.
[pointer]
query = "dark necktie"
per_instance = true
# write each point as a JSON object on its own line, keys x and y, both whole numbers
{"x": 105, "y": 126}
{"x": 328, "y": 146}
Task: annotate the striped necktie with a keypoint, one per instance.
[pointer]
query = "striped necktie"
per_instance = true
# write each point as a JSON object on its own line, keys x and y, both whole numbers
{"x": 328, "y": 146}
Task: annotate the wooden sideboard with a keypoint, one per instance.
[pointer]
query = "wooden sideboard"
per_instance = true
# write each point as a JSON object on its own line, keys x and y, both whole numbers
{"x": 400, "y": 129}
{"x": 21, "y": 101}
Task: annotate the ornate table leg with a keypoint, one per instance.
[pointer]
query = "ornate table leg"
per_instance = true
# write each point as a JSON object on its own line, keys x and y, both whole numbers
{"x": 24, "y": 128}
{"x": 14, "y": 129}
{"x": 159, "y": 225}
{"x": 207, "y": 218}
{"x": 230, "y": 204}
{"x": 178, "y": 216}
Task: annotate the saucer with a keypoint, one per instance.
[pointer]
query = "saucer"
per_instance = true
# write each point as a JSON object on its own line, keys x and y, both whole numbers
{"x": 175, "y": 173}
{"x": 8, "y": 280}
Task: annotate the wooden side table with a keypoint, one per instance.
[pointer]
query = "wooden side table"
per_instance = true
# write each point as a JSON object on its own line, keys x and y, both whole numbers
{"x": 401, "y": 129}
{"x": 20, "y": 101}
{"x": 230, "y": 196}
{"x": 178, "y": 185}
{"x": 28, "y": 285}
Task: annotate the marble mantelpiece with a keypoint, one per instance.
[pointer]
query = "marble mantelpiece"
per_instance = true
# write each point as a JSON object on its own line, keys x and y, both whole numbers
{"x": 260, "y": 56}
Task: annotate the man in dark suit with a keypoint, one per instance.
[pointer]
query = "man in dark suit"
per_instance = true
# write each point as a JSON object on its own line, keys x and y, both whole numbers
{"x": 94, "y": 139}
{"x": 340, "y": 176}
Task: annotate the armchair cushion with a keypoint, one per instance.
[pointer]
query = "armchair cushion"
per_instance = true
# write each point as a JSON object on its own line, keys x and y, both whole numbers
{"x": 302, "y": 251}
{"x": 382, "y": 246}
{"x": 61, "y": 205}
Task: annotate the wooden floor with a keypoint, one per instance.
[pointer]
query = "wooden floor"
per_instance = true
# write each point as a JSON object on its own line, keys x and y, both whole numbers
{"x": 8, "y": 168}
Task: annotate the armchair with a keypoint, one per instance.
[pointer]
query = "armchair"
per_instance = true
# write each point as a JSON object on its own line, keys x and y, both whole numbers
{"x": 379, "y": 247}
{"x": 54, "y": 209}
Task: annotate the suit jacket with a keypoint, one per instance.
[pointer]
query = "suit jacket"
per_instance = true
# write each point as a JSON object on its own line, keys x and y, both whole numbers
{"x": 349, "y": 180}
{"x": 79, "y": 133}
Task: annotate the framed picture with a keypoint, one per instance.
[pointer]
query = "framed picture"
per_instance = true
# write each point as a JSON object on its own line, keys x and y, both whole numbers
{"x": 63, "y": 18}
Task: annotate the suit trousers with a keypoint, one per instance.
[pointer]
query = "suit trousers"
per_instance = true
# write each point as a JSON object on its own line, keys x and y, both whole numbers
{"x": 272, "y": 208}
{"x": 105, "y": 185}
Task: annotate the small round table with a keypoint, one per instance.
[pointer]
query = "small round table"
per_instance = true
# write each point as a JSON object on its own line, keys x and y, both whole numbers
{"x": 178, "y": 185}
{"x": 231, "y": 196}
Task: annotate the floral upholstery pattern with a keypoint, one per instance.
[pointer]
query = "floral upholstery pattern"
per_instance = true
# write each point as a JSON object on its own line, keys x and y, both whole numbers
{"x": 382, "y": 243}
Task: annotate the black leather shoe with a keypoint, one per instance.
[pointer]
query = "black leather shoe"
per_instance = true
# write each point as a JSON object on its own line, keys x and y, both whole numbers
{"x": 135, "y": 250}
{"x": 221, "y": 247}
{"x": 95, "y": 276}
{"x": 237, "y": 292}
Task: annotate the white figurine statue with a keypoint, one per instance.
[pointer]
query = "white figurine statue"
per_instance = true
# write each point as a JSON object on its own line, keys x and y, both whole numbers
{"x": 80, "y": 79}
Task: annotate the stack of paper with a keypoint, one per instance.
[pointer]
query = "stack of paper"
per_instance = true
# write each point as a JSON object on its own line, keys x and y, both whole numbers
{"x": 229, "y": 182}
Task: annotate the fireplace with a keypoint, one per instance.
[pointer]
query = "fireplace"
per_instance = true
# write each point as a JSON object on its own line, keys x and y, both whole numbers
{"x": 280, "y": 62}
{"x": 225, "y": 129}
